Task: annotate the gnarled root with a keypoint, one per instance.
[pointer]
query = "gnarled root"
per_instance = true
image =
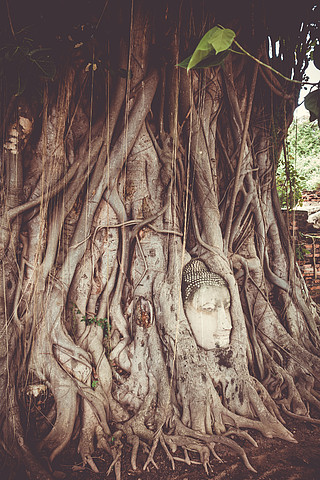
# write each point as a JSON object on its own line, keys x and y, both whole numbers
{"x": 189, "y": 441}
{"x": 177, "y": 436}
{"x": 184, "y": 434}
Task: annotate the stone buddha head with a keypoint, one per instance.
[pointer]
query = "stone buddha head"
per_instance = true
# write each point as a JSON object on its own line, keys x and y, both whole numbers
{"x": 206, "y": 300}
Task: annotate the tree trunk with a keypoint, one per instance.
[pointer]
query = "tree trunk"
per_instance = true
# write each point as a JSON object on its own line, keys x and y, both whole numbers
{"x": 125, "y": 176}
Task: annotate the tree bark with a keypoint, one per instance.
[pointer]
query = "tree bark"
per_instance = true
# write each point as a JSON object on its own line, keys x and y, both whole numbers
{"x": 129, "y": 170}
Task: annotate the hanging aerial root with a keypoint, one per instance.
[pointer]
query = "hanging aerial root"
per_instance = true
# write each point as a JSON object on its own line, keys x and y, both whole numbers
{"x": 165, "y": 448}
{"x": 87, "y": 433}
{"x": 135, "y": 442}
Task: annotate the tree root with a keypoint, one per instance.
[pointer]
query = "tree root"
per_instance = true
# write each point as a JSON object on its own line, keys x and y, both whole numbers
{"x": 308, "y": 396}
{"x": 62, "y": 430}
{"x": 152, "y": 451}
{"x": 87, "y": 434}
{"x": 184, "y": 432}
{"x": 182, "y": 437}
{"x": 116, "y": 451}
{"x": 303, "y": 418}
{"x": 241, "y": 433}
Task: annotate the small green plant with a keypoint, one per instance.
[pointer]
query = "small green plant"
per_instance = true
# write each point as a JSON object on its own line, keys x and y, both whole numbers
{"x": 94, "y": 384}
{"x": 104, "y": 323}
{"x": 100, "y": 322}
{"x": 301, "y": 251}
{"x": 290, "y": 185}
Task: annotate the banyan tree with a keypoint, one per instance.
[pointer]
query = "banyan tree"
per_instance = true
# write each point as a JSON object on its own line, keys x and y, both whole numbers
{"x": 148, "y": 285}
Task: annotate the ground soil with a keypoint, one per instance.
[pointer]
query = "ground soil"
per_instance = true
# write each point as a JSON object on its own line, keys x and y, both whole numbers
{"x": 273, "y": 460}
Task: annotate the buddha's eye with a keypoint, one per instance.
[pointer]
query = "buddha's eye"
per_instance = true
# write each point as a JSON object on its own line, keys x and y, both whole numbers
{"x": 208, "y": 309}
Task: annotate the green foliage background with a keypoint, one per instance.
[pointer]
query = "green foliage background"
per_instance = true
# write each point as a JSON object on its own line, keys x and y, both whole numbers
{"x": 303, "y": 162}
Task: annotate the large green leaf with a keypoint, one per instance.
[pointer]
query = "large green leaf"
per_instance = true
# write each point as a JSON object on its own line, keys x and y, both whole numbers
{"x": 185, "y": 62}
{"x": 199, "y": 54}
{"x": 216, "y": 40}
{"x": 212, "y": 60}
{"x": 221, "y": 38}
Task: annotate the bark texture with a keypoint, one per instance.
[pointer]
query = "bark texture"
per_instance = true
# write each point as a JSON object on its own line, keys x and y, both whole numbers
{"x": 127, "y": 169}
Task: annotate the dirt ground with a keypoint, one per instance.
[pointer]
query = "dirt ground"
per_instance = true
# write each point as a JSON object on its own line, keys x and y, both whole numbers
{"x": 273, "y": 460}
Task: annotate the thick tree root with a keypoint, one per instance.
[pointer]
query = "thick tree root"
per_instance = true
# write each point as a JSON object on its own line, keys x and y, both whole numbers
{"x": 184, "y": 432}
{"x": 303, "y": 418}
{"x": 179, "y": 436}
{"x": 241, "y": 433}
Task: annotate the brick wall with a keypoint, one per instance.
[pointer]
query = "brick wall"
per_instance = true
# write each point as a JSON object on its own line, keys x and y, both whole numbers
{"x": 310, "y": 265}
{"x": 311, "y": 196}
{"x": 307, "y": 243}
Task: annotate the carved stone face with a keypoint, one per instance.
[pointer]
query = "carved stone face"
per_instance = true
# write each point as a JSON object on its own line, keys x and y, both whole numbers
{"x": 208, "y": 312}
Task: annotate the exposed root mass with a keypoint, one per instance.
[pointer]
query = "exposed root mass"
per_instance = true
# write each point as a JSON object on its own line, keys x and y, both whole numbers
{"x": 127, "y": 170}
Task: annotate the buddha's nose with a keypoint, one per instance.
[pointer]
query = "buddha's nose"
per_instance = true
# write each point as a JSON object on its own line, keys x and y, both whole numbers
{"x": 224, "y": 319}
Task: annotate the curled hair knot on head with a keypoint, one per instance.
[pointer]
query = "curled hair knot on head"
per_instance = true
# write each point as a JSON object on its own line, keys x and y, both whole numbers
{"x": 195, "y": 275}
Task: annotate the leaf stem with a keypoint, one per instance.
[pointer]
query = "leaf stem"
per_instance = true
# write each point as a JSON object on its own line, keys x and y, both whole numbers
{"x": 271, "y": 68}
